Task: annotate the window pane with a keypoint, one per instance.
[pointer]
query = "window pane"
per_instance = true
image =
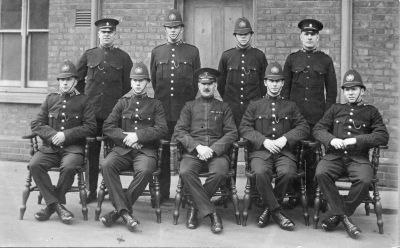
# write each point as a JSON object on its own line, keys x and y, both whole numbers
{"x": 10, "y": 55}
{"x": 10, "y": 14}
{"x": 39, "y": 14}
{"x": 38, "y": 56}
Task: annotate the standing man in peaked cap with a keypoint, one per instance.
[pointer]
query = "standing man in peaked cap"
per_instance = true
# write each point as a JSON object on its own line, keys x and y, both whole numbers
{"x": 348, "y": 131}
{"x": 242, "y": 71}
{"x": 273, "y": 126}
{"x": 172, "y": 67}
{"x": 64, "y": 121}
{"x": 310, "y": 81}
{"x": 103, "y": 75}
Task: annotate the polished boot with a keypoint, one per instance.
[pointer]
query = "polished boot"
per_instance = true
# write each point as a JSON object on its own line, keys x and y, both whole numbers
{"x": 130, "y": 221}
{"x": 65, "y": 215}
{"x": 264, "y": 218}
{"x": 45, "y": 213}
{"x": 191, "y": 221}
{"x": 216, "y": 223}
{"x": 330, "y": 223}
{"x": 351, "y": 229}
{"x": 284, "y": 222}
{"x": 110, "y": 218}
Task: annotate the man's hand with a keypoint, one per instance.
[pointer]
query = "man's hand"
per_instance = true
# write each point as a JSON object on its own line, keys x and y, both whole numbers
{"x": 337, "y": 143}
{"x": 130, "y": 139}
{"x": 137, "y": 146}
{"x": 281, "y": 142}
{"x": 271, "y": 146}
{"x": 58, "y": 139}
{"x": 349, "y": 141}
{"x": 204, "y": 152}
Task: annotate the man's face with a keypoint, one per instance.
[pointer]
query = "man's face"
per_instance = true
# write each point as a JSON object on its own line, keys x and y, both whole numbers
{"x": 243, "y": 39}
{"x": 67, "y": 84}
{"x": 207, "y": 89}
{"x": 353, "y": 94}
{"x": 274, "y": 87}
{"x": 174, "y": 33}
{"x": 309, "y": 39}
{"x": 106, "y": 37}
{"x": 139, "y": 85}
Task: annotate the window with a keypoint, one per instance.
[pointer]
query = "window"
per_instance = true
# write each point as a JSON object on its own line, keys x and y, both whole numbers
{"x": 24, "y": 43}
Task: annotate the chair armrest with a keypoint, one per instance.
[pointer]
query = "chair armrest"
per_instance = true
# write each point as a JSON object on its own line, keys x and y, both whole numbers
{"x": 241, "y": 143}
{"x": 310, "y": 143}
{"x": 90, "y": 139}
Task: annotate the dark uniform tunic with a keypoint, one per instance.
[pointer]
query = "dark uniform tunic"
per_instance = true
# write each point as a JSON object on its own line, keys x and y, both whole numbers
{"x": 272, "y": 118}
{"x": 172, "y": 69}
{"x": 207, "y": 122}
{"x": 307, "y": 74}
{"x": 342, "y": 121}
{"x": 144, "y": 116}
{"x": 242, "y": 78}
{"x": 107, "y": 79}
{"x": 71, "y": 114}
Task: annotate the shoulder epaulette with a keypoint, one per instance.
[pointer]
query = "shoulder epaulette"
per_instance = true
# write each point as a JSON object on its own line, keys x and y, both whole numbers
{"x": 159, "y": 46}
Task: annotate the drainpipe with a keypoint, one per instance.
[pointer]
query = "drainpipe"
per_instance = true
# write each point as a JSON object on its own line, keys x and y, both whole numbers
{"x": 94, "y": 16}
{"x": 346, "y": 40}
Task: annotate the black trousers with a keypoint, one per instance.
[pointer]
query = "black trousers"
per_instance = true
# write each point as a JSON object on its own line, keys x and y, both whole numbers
{"x": 143, "y": 167}
{"x": 39, "y": 166}
{"x": 264, "y": 169}
{"x": 165, "y": 175}
{"x": 360, "y": 174}
{"x": 190, "y": 168}
{"x": 93, "y": 158}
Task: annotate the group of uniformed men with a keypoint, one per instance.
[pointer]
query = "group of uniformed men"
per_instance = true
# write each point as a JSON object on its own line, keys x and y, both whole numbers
{"x": 271, "y": 107}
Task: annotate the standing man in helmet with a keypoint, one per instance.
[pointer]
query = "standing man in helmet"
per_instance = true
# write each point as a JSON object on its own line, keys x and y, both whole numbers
{"x": 273, "y": 126}
{"x": 103, "y": 75}
{"x": 242, "y": 71}
{"x": 172, "y": 67}
{"x": 348, "y": 131}
{"x": 64, "y": 121}
{"x": 310, "y": 81}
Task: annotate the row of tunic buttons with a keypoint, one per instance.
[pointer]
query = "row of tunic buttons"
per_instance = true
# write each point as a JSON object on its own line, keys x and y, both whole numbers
{"x": 63, "y": 117}
{"x": 274, "y": 116}
{"x": 242, "y": 81}
{"x": 136, "y": 114}
{"x": 172, "y": 74}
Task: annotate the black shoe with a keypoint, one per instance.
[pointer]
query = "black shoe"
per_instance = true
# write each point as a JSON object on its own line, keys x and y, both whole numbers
{"x": 216, "y": 223}
{"x": 130, "y": 221}
{"x": 110, "y": 218}
{"x": 191, "y": 221}
{"x": 92, "y": 197}
{"x": 264, "y": 218}
{"x": 65, "y": 215}
{"x": 45, "y": 213}
{"x": 351, "y": 229}
{"x": 284, "y": 222}
{"x": 330, "y": 223}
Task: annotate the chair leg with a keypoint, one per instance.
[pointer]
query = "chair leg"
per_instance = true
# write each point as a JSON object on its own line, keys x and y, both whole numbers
{"x": 178, "y": 200}
{"x": 235, "y": 200}
{"x": 304, "y": 202}
{"x": 152, "y": 193}
{"x": 367, "y": 208}
{"x": 100, "y": 199}
{"x": 157, "y": 198}
{"x": 317, "y": 205}
{"x": 378, "y": 208}
{"x": 83, "y": 195}
{"x": 39, "y": 198}
{"x": 25, "y": 195}
{"x": 246, "y": 202}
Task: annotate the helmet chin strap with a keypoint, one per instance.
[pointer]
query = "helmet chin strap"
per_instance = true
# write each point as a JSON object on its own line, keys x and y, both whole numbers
{"x": 178, "y": 37}
{"x": 270, "y": 92}
{"x": 70, "y": 89}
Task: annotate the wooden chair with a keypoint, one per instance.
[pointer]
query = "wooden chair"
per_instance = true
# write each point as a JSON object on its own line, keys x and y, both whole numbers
{"x": 343, "y": 184}
{"x": 80, "y": 174}
{"x": 227, "y": 190}
{"x": 251, "y": 194}
{"x": 154, "y": 185}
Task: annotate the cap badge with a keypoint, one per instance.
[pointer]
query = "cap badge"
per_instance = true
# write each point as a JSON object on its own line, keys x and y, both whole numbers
{"x": 242, "y": 24}
{"x": 65, "y": 68}
{"x": 138, "y": 70}
{"x": 172, "y": 17}
{"x": 274, "y": 70}
{"x": 350, "y": 77}
{"x": 310, "y": 25}
{"x": 107, "y": 24}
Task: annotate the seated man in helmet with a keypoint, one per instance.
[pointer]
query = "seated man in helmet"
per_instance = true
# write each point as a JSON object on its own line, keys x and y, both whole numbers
{"x": 273, "y": 126}
{"x": 348, "y": 131}
{"x": 64, "y": 121}
{"x": 135, "y": 125}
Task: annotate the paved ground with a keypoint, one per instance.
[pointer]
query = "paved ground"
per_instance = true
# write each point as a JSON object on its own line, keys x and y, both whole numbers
{"x": 29, "y": 232}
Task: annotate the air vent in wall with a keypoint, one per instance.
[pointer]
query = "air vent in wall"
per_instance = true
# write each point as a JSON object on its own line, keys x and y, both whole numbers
{"x": 82, "y": 18}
